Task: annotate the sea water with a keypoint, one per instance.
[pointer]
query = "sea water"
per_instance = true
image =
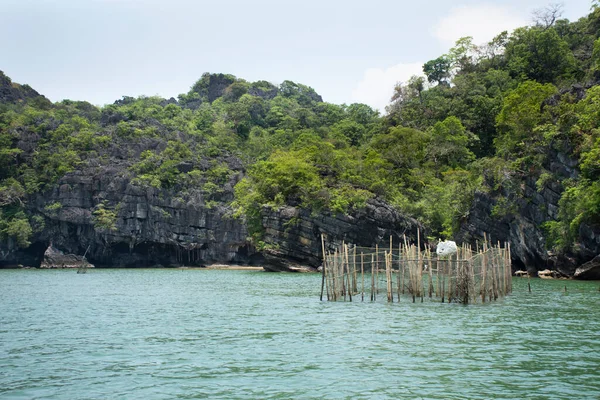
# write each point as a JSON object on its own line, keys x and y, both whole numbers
{"x": 222, "y": 334}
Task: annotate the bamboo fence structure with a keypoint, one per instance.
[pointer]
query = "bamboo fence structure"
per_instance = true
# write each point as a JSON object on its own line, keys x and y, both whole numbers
{"x": 469, "y": 276}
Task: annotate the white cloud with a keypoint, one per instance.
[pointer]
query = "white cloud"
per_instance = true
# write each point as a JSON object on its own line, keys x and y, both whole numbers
{"x": 483, "y": 22}
{"x": 377, "y": 86}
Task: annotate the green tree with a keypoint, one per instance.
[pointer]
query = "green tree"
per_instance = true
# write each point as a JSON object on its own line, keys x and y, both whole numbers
{"x": 539, "y": 54}
{"x": 521, "y": 113}
{"x": 104, "y": 219}
{"x": 15, "y": 226}
{"x": 448, "y": 148}
{"x": 438, "y": 70}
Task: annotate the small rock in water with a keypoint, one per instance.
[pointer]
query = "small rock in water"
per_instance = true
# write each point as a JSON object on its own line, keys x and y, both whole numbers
{"x": 548, "y": 274}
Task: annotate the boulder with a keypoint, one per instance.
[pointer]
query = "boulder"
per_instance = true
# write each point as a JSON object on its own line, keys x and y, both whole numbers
{"x": 54, "y": 258}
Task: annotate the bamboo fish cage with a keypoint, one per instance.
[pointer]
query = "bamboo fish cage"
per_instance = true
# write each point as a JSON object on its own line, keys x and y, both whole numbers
{"x": 470, "y": 275}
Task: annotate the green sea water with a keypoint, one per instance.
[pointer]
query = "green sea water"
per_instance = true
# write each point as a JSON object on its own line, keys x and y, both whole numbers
{"x": 222, "y": 334}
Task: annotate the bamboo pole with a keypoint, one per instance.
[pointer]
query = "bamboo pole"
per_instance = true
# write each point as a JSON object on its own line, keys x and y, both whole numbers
{"x": 453, "y": 273}
{"x": 398, "y": 274}
{"x": 413, "y": 272}
{"x": 437, "y": 278}
{"x": 348, "y": 276}
{"x": 505, "y": 263}
{"x": 387, "y": 281}
{"x": 430, "y": 273}
{"x": 372, "y": 278}
{"x": 444, "y": 274}
{"x": 376, "y": 269}
{"x": 362, "y": 274}
{"x": 390, "y": 279}
{"x": 483, "y": 276}
{"x": 472, "y": 269}
{"x": 324, "y": 268}
{"x": 419, "y": 266}
{"x": 333, "y": 269}
{"x": 493, "y": 274}
{"x": 501, "y": 274}
{"x": 510, "y": 265}
{"x": 507, "y": 266}
{"x": 390, "y": 255}
{"x": 354, "y": 284}
{"x": 339, "y": 275}
{"x": 328, "y": 277}
{"x": 450, "y": 273}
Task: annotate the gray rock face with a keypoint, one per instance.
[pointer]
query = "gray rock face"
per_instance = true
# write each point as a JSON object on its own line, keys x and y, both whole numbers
{"x": 151, "y": 227}
{"x": 12, "y": 93}
{"x": 521, "y": 224}
{"x": 520, "y": 230}
{"x": 297, "y": 233}
{"x": 277, "y": 261}
{"x": 590, "y": 270}
{"x": 264, "y": 93}
{"x": 11, "y": 256}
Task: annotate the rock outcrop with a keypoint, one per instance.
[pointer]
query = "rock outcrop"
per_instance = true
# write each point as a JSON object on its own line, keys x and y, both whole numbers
{"x": 277, "y": 261}
{"x": 14, "y": 93}
{"x": 151, "y": 226}
{"x": 297, "y": 233}
{"x": 55, "y": 258}
{"x": 520, "y": 221}
{"x": 589, "y": 270}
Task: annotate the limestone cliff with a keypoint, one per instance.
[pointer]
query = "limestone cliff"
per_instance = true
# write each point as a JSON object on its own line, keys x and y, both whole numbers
{"x": 154, "y": 227}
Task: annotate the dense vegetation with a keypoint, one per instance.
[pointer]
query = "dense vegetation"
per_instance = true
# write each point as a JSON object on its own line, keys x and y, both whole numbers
{"x": 525, "y": 97}
{"x": 481, "y": 119}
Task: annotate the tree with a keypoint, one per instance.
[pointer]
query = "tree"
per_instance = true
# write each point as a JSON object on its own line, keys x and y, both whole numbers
{"x": 545, "y": 17}
{"x": 11, "y": 192}
{"x": 539, "y": 54}
{"x": 303, "y": 94}
{"x": 362, "y": 113}
{"x": 16, "y": 227}
{"x": 285, "y": 178}
{"x": 438, "y": 70}
{"x": 461, "y": 55}
{"x": 596, "y": 57}
{"x": 402, "y": 147}
{"x": 351, "y": 130}
{"x": 448, "y": 145}
{"x": 104, "y": 218}
{"x": 520, "y": 114}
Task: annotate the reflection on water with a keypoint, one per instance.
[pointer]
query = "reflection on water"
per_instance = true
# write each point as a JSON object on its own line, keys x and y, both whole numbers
{"x": 150, "y": 334}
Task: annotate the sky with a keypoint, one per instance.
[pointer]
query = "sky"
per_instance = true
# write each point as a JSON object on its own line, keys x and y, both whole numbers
{"x": 349, "y": 51}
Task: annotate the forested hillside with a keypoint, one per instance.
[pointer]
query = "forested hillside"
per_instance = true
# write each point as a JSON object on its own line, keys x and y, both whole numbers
{"x": 529, "y": 103}
{"x": 501, "y": 137}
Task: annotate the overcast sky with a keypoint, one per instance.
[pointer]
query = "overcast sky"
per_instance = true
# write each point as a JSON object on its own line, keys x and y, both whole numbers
{"x": 347, "y": 50}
